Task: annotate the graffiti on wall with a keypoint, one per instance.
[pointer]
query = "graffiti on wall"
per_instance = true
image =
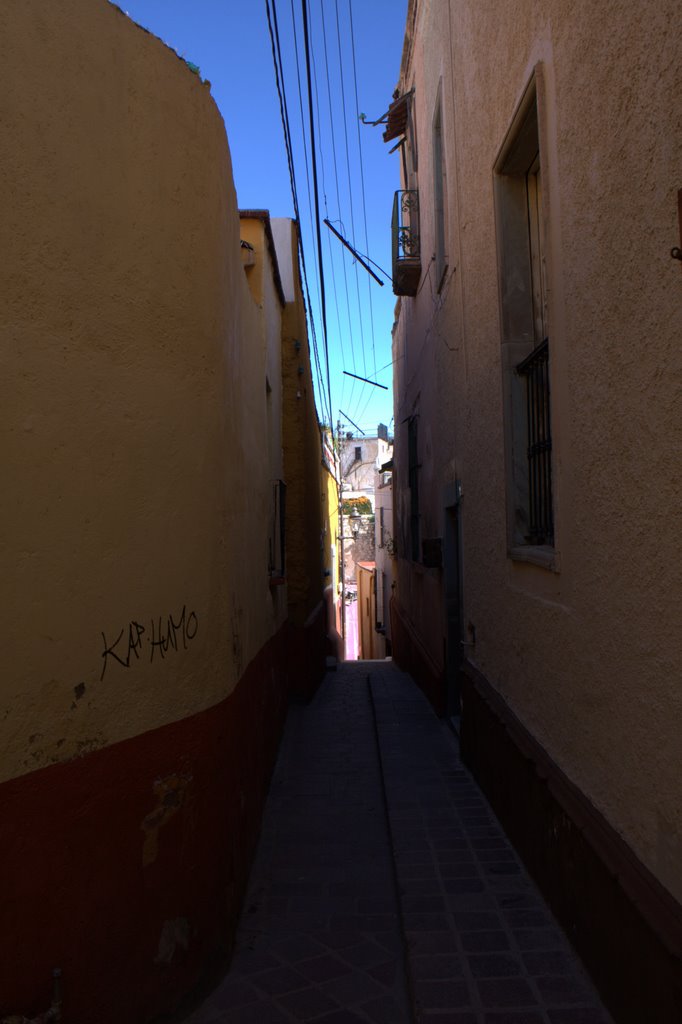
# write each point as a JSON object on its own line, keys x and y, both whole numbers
{"x": 138, "y": 642}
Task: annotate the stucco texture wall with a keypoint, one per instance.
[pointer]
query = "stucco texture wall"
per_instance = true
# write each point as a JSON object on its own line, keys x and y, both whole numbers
{"x": 144, "y": 681}
{"x": 588, "y": 656}
{"x": 125, "y": 390}
{"x": 301, "y": 441}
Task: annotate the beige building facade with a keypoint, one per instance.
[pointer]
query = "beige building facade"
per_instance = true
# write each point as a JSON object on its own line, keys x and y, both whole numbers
{"x": 537, "y": 444}
{"x": 144, "y": 590}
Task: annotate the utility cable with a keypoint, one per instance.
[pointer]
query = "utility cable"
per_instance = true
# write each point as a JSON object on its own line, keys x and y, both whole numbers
{"x": 325, "y": 340}
{"x": 336, "y": 179}
{"x": 362, "y": 178}
{"x": 279, "y": 80}
{"x": 326, "y": 210}
{"x": 350, "y": 184}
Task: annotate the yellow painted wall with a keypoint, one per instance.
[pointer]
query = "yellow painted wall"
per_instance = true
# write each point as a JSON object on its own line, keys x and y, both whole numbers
{"x": 330, "y": 511}
{"x": 587, "y": 657}
{"x": 300, "y": 439}
{"x": 133, "y": 401}
{"x": 332, "y": 549}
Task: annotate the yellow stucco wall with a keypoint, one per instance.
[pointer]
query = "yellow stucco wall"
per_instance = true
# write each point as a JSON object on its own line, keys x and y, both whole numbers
{"x": 330, "y": 511}
{"x": 588, "y": 656}
{"x": 133, "y": 398}
{"x": 300, "y": 439}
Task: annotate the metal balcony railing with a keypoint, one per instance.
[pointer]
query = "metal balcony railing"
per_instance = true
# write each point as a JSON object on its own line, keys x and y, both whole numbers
{"x": 406, "y": 242}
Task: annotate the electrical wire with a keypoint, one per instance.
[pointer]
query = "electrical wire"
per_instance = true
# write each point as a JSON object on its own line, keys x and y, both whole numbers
{"x": 336, "y": 179}
{"x": 350, "y": 185}
{"x": 281, "y": 92}
{"x": 326, "y": 210}
{"x": 362, "y": 179}
{"x": 325, "y": 340}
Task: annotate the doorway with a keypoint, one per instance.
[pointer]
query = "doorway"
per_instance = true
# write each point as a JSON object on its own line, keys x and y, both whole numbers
{"x": 452, "y": 580}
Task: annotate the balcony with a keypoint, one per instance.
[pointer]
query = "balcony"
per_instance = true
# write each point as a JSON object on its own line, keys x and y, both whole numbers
{"x": 407, "y": 267}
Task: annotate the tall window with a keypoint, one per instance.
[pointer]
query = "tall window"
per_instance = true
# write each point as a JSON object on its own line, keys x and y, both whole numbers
{"x": 439, "y": 194}
{"x": 276, "y": 540}
{"x": 413, "y": 484}
{"x": 525, "y": 333}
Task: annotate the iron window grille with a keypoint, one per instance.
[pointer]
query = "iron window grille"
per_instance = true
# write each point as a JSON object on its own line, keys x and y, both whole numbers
{"x": 276, "y": 541}
{"x": 535, "y": 369}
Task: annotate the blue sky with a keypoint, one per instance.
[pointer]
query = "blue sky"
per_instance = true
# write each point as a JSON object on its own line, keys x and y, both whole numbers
{"x": 356, "y": 47}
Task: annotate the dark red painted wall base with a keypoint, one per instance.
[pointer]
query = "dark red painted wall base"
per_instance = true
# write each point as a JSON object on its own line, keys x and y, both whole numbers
{"x": 625, "y": 926}
{"x": 127, "y": 867}
{"x": 411, "y": 656}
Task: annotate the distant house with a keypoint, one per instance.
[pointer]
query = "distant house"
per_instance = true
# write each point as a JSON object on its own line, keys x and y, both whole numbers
{"x": 537, "y": 438}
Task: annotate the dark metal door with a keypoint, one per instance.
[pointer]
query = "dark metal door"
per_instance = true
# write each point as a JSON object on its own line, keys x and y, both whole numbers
{"x": 452, "y": 575}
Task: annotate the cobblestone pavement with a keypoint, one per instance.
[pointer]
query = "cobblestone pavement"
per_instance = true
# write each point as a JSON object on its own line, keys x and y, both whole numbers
{"x": 384, "y": 890}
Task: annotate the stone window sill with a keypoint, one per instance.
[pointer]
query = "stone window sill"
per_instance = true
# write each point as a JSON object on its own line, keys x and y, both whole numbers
{"x": 545, "y": 557}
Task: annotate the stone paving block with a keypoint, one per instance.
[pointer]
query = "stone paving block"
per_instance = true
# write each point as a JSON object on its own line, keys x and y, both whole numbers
{"x": 353, "y": 988}
{"x": 321, "y": 937}
{"x": 340, "y": 1017}
{"x": 436, "y": 966}
{"x": 254, "y": 1013}
{"x": 471, "y": 884}
{"x": 501, "y": 867}
{"x": 538, "y": 938}
{"x": 484, "y": 941}
{"x": 579, "y": 1015}
{"x": 523, "y": 898}
{"x": 307, "y": 1003}
{"x": 470, "y": 901}
{"x": 474, "y": 920}
{"x": 527, "y": 917}
{"x": 337, "y": 938}
{"x": 447, "y": 1017}
{"x": 426, "y": 870}
{"x": 377, "y": 905}
{"x": 249, "y": 961}
{"x": 282, "y": 979}
{"x": 558, "y": 990}
{"x": 297, "y": 947}
{"x": 418, "y": 922}
{"x": 422, "y": 904}
{"x": 322, "y": 968}
{"x": 420, "y": 887}
{"x": 514, "y": 1017}
{"x": 232, "y": 993}
{"x": 365, "y": 954}
{"x": 506, "y": 992}
{"x": 441, "y": 941}
{"x": 442, "y": 995}
{"x": 383, "y": 1010}
{"x": 459, "y": 868}
{"x": 494, "y": 965}
{"x": 386, "y": 973}
{"x": 544, "y": 962}
{"x": 393, "y": 942}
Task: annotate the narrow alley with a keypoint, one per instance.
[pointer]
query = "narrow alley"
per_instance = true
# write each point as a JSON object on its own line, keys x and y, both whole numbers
{"x": 384, "y": 890}
{"x": 340, "y": 550}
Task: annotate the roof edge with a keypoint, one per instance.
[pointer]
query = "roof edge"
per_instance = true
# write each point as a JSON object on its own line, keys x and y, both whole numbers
{"x": 264, "y": 216}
